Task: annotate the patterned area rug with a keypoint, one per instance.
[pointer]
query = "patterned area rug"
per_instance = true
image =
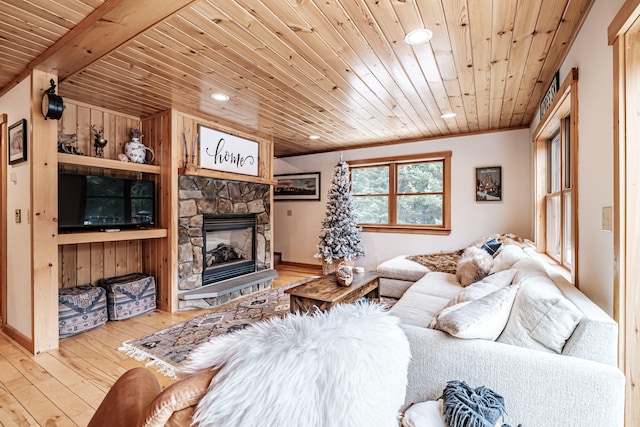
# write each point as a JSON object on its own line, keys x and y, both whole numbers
{"x": 167, "y": 348}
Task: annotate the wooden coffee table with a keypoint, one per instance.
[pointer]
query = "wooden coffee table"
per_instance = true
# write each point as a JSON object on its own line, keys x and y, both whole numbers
{"x": 324, "y": 292}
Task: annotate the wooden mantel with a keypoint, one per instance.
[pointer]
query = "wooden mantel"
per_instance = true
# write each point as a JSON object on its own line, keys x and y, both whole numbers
{"x": 207, "y": 173}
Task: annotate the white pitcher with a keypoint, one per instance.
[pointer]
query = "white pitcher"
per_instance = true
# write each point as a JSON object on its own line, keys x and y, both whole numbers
{"x": 136, "y": 151}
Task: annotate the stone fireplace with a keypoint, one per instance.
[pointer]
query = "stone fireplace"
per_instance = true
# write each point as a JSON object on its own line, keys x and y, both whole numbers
{"x": 224, "y": 241}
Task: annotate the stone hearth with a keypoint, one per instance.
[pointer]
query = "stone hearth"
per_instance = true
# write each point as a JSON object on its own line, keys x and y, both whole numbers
{"x": 199, "y": 196}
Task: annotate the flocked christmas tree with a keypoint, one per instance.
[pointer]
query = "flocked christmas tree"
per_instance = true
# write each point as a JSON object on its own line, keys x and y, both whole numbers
{"x": 340, "y": 236}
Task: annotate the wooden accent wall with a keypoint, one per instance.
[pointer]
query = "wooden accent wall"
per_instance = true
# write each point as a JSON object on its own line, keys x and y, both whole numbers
{"x": 88, "y": 262}
{"x": 43, "y": 217}
{"x": 161, "y": 255}
{"x": 189, "y": 125}
{"x": 163, "y": 133}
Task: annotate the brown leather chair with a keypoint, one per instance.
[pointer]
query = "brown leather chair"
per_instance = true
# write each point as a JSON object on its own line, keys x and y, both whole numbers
{"x": 136, "y": 400}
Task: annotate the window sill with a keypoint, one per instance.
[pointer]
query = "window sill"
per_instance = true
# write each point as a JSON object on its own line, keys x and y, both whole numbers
{"x": 405, "y": 229}
{"x": 557, "y": 268}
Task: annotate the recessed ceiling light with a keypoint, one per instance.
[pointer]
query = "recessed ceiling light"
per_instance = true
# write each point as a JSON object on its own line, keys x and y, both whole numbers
{"x": 314, "y": 136}
{"x": 419, "y": 36}
{"x": 447, "y": 115}
{"x": 220, "y": 97}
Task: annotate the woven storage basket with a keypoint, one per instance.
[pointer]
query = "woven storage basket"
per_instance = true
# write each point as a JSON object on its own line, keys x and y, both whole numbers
{"x": 80, "y": 309}
{"x": 130, "y": 295}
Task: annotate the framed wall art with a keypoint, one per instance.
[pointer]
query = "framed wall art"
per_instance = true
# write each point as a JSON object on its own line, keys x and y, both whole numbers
{"x": 224, "y": 152}
{"x": 297, "y": 186}
{"x": 18, "y": 142}
{"x": 489, "y": 184}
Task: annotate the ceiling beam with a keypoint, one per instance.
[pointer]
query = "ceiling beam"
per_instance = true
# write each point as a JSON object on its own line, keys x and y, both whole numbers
{"x": 105, "y": 29}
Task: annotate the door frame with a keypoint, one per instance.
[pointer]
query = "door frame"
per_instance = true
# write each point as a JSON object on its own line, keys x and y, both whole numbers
{"x": 3, "y": 218}
{"x": 623, "y": 34}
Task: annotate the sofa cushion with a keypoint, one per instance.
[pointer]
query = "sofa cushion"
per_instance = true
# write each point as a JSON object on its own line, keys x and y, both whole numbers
{"x": 478, "y": 289}
{"x": 507, "y": 257}
{"x": 542, "y": 318}
{"x": 474, "y": 264}
{"x": 437, "y": 283}
{"x": 418, "y": 309}
{"x": 529, "y": 268}
{"x": 422, "y": 301}
{"x": 483, "y": 318}
{"x": 402, "y": 269}
{"x": 393, "y": 288}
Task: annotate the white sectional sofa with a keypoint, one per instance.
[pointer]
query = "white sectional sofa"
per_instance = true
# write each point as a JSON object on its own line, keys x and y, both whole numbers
{"x": 549, "y": 370}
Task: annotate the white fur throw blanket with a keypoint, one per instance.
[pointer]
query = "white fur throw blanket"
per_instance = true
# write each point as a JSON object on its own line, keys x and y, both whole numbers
{"x": 346, "y": 367}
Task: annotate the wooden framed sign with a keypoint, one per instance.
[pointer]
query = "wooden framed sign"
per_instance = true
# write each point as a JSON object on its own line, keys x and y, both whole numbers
{"x": 551, "y": 92}
{"x": 223, "y": 152}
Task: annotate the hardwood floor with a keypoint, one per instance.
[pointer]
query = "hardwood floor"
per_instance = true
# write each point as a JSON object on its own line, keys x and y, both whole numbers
{"x": 64, "y": 387}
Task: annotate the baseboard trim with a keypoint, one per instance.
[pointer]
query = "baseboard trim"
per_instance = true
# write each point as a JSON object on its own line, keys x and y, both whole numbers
{"x": 18, "y": 337}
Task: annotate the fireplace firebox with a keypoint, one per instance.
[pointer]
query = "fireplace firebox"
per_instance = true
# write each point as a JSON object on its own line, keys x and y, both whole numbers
{"x": 229, "y": 248}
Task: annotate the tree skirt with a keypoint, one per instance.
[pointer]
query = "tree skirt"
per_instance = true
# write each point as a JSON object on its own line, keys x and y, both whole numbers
{"x": 167, "y": 348}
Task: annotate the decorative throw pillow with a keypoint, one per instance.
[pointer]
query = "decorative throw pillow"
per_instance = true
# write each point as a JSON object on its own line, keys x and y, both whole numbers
{"x": 542, "y": 318}
{"x": 484, "y": 239}
{"x": 492, "y": 247}
{"x": 484, "y": 318}
{"x": 474, "y": 264}
{"x": 424, "y": 414}
{"x": 483, "y": 287}
{"x": 509, "y": 255}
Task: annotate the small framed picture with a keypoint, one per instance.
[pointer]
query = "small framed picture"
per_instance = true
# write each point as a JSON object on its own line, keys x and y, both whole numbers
{"x": 489, "y": 184}
{"x": 18, "y": 142}
{"x": 298, "y": 186}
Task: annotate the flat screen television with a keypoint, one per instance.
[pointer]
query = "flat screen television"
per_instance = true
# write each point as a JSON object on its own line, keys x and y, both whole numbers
{"x": 104, "y": 202}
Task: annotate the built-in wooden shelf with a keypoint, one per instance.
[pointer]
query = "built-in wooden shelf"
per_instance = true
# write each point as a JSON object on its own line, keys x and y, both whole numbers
{"x": 95, "y": 162}
{"x": 227, "y": 175}
{"x": 110, "y": 236}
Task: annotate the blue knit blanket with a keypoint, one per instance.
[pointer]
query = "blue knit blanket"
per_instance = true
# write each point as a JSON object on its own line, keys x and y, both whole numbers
{"x": 464, "y": 406}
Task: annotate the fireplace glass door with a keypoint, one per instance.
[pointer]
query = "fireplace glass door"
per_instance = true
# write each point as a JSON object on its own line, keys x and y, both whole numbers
{"x": 229, "y": 246}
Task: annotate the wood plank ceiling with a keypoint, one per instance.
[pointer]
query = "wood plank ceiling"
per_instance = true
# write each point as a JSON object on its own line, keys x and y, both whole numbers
{"x": 338, "y": 69}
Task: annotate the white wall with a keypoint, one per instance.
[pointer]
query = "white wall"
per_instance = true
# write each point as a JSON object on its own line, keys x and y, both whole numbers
{"x": 16, "y": 104}
{"x": 296, "y": 236}
{"x": 593, "y": 57}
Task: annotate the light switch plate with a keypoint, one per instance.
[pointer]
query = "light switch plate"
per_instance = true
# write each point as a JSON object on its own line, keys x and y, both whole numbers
{"x": 607, "y": 218}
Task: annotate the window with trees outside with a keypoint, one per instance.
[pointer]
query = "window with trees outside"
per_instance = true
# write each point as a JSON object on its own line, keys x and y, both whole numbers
{"x": 403, "y": 194}
{"x": 556, "y": 152}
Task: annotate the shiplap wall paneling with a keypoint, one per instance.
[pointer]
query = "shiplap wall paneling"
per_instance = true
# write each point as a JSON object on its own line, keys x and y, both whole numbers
{"x": 89, "y": 262}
